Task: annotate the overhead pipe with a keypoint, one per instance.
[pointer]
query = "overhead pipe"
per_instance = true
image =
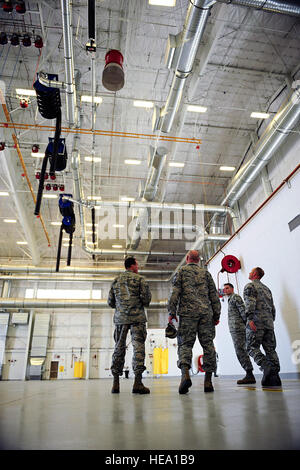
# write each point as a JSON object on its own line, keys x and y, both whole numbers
{"x": 182, "y": 52}
{"x": 288, "y": 7}
{"x": 17, "y": 303}
{"x": 69, "y": 62}
{"x": 275, "y": 134}
{"x": 73, "y": 270}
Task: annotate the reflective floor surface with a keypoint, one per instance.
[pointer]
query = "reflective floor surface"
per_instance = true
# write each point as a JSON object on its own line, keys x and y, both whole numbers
{"x": 84, "y": 415}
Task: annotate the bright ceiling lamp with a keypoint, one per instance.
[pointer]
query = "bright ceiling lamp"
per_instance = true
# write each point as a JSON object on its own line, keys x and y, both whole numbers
{"x": 118, "y": 226}
{"x": 25, "y": 92}
{"x": 127, "y": 199}
{"x": 117, "y": 246}
{"x": 10, "y": 221}
{"x": 260, "y": 115}
{"x": 132, "y": 162}
{"x": 94, "y": 198}
{"x": 196, "y": 109}
{"x": 176, "y": 164}
{"x": 38, "y": 154}
{"x": 93, "y": 159}
{"x": 22, "y": 243}
{"x": 4, "y": 193}
{"x": 50, "y": 196}
{"x": 55, "y": 223}
{"x": 88, "y": 99}
{"x": 143, "y": 104}
{"x": 227, "y": 168}
{"x": 163, "y": 3}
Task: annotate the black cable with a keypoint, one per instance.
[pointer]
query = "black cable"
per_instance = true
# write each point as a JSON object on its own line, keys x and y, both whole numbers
{"x": 59, "y": 247}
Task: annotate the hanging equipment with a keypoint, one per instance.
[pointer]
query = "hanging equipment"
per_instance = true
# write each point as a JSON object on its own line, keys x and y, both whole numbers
{"x": 67, "y": 225}
{"x": 49, "y": 105}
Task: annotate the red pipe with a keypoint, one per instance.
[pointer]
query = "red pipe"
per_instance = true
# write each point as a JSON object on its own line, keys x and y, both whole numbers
{"x": 256, "y": 211}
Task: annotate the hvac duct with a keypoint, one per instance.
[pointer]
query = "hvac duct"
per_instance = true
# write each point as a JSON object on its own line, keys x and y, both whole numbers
{"x": 288, "y": 7}
{"x": 73, "y": 270}
{"x": 181, "y": 53}
{"x": 11, "y": 303}
{"x": 275, "y": 134}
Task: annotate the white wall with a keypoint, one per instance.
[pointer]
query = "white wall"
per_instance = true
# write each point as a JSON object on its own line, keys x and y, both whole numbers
{"x": 266, "y": 241}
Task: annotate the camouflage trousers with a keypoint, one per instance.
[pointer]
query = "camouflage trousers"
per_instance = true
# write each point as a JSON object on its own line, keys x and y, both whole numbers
{"x": 188, "y": 329}
{"x": 264, "y": 337}
{"x": 138, "y": 337}
{"x": 239, "y": 343}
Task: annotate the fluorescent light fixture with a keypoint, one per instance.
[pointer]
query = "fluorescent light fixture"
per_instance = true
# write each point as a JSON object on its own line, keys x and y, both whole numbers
{"x": 118, "y": 225}
{"x": 163, "y": 3}
{"x": 259, "y": 115}
{"x": 90, "y": 225}
{"x": 55, "y": 223}
{"x": 67, "y": 244}
{"x": 94, "y": 198}
{"x": 132, "y": 162}
{"x": 176, "y": 164}
{"x": 22, "y": 243}
{"x": 38, "y": 154}
{"x": 127, "y": 199}
{"x": 50, "y": 196}
{"x": 91, "y": 159}
{"x": 227, "y": 168}
{"x": 10, "y": 221}
{"x": 88, "y": 99}
{"x": 4, "y": 193}
{"x": 25, "y": 92}
{"x": 197, "y": 109}
{"x": 117, "y": 246}
{"x": 143, "y": 104}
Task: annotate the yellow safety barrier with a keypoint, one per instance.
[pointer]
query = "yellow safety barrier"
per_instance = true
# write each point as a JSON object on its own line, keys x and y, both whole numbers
{"x": 78, "y": 369}
{"x": 160, "y": 361}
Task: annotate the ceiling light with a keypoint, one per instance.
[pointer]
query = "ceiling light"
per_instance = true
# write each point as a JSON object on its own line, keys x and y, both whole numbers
{"x": 132, "y": 162}
{"x": 143, "y": 104}
{"x": 197, "y": 109}
{"x": 259, "y": 115}
{"x": 93, "y": 159}
{"x": 25, "y": 92}
{"x": 4, "y": 193}
{"x": 117, "y": 246}
{"x": 118, "y": 226}
{"x": 90, "y": 225}
{"x": 127, "y": 199}
{"x": 227, "y": 168}
{"x": 176, "y": 164}
{"x": 38, "y": 154}
{"x": 88, "y": 99}
{"x": 67, "y": 244}
{"x": 10, "y": 221}
{"x": 163, "y": 3}
{"x": 94, "y": 198}
{"x": 50, "y": 196}
{"x": 55, "y": 223}
{"x": 22, "y": 243}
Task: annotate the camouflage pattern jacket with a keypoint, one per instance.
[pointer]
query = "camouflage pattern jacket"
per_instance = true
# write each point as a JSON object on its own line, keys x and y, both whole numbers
{"x": 129, "y": 294}
{"x": 259, "y": 304}
{"x": 236, "y": 313}
{"x": 194, "y": 293}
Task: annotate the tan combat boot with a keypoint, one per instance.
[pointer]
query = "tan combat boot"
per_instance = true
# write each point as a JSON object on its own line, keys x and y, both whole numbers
{"x": 248, "y": 379}
{"x": 186, "y": 382}
{"x": 139, "y": 387}
{"x": 116, "y": 385}
{"x": 208, "y": 386}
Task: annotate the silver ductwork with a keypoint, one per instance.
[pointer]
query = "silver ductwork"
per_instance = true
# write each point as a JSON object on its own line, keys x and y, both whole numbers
{"x": 73, "y": 270}
{"x": 288, "y": 7}
{"x": 180, "y": 57}
{"x": 11, "y": 303}
{"x": 274, "y": 135}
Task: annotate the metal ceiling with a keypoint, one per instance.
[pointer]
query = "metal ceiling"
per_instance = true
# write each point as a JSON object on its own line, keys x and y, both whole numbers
{"x": 246, "y": 58}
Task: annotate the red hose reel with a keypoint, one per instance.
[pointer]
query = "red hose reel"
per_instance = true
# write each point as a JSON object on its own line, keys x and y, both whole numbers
{"x": 230, "y": 264}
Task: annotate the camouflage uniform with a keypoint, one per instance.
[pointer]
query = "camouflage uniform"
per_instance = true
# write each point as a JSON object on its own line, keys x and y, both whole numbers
{"x": 260, "y": 308}
{"x": 129, "y": 294}
{"x": 237, "y": 328}
{"x": 194, "y": 298}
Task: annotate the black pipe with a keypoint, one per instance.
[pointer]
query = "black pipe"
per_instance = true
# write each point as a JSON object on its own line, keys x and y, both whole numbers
{"x": 59, "y": 248}
{"x": 91, "y": 19}
{"x": 41, "y": 185}
{"x": 70, "y": 249}
{"x": 93, "y": 229}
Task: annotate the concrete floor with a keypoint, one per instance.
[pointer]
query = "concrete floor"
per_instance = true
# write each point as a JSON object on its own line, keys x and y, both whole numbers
{"x": 70, "y": 414}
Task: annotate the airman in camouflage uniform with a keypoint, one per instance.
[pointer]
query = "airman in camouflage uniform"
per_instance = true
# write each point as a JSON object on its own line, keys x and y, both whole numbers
{"x": 237, "y": 328}
{"x": 260, "y": 313}
{"x": 194, "y": 298}
{"x": 129, "y": 294}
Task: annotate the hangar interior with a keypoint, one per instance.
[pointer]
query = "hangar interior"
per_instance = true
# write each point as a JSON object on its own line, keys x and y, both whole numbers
{"x": 177, "y": 129}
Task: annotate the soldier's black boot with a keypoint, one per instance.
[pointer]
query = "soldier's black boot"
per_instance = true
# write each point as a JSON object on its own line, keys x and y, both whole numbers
{"x": 248, "y": 379}
{"x": 116, "y": 385}
{"x": 208, "y": 386}
{"x": 186, "y": 382}
{"x": 275, "y": 379}
{"x": 266, "y": 380}
{"x": 139, "y": 387}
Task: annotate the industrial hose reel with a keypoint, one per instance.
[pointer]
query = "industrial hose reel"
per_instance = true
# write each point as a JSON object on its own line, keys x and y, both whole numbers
{"x": 68, "y": 225}
{"x": 230, "y": 264}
